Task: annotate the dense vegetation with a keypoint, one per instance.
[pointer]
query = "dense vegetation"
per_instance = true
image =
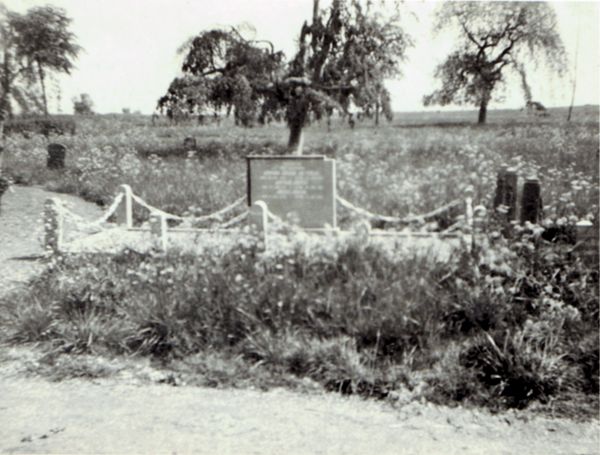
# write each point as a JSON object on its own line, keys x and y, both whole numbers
{"x": 513, "y": 323}
{"x": 414, "y": 165}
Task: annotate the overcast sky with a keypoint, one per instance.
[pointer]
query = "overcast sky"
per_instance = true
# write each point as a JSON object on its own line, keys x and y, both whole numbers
{"x": 130, "y": 48}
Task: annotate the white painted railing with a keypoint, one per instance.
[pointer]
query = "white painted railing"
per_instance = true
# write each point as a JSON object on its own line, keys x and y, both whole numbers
{"x": 259, "y": 216}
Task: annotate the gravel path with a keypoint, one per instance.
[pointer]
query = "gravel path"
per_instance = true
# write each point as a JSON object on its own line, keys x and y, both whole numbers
{"x": 79, "y": 416}
{"x": 21, "y": 229}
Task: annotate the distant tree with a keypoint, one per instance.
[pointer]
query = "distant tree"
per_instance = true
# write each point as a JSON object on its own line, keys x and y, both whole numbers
{"x": 223, "y": 70}
{"x": 347, "y": 50}
{"x": 373, "y": 47}
{"x": 84, "y": 105}
{"x": 15, "y": 82}
{"x": 43, "y": 43}
{"x": 493, "y": 37}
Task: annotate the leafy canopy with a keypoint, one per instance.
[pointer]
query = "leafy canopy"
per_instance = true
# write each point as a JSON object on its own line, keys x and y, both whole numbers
{"x": 42, "y": 37}
{"x": 42, "y": 43}
{"x": 222, "y": 69}
{"x": 347, "y": 50}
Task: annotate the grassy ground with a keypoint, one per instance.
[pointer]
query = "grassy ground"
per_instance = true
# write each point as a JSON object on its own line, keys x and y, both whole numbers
{"x": 415, "y": 164}
{"x": 514, "y": 324}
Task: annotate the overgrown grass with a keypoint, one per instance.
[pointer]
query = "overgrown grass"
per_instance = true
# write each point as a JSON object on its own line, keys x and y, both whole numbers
{"x": 410, "y": 166}
{"x": 498, "y": 329}
{"x": 512, "y": 325}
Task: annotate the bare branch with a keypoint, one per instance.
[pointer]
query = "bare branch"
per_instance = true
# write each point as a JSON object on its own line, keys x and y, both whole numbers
{"x": 469, "y": 34}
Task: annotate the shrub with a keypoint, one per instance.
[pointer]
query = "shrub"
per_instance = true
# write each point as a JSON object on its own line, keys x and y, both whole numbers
{"x": 518, "y": 370}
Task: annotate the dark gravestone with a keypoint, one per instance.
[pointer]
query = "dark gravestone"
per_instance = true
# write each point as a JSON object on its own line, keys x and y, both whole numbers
{"x": 499, "y": 196}
{"x": 510, "y": 194}
{"x": 506, "y": 192}
{"x": 56, "y": 156}
{"x": 531, "y": 201}
{"x": 299, "y": 189}
{"x": 587, "y": 243}
{"x": 189, "y": 143}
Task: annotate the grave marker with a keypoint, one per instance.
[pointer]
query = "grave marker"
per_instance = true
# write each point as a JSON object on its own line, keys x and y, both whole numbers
{"x": 587, "y": 242}
{"x": 56, "y": 156}
{"x": 531, "y": 201}
{"x": 298, "y": 189}
{"x": 189, "y": 143}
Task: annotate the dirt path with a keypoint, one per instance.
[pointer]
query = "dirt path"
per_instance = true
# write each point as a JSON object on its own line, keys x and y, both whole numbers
{"x": 21, "y": 229}
{"x": 79, "y": 416}
{"x": 121, "y": 415}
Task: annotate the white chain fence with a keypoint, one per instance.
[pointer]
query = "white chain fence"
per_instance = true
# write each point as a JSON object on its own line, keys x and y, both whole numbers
{"x": 276, "y": 223}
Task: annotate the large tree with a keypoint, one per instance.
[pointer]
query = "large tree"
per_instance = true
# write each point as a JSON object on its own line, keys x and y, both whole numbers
{"x": 348, "y": 49}
{"x": 493, "y": 37}
{"x": 15, "y": 86}
{"x": 43, "y": 43}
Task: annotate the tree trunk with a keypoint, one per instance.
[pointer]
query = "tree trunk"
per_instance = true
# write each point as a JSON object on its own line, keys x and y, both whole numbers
{"x": 5, "y": 110}
{"x": 5, "y": 89}
{"x": 574, "y": 78}
{"x": 315, "y": 11}
{"x": 296, "y": 138}
{"x": 1, "y": 141}
{"x": 297, "y": 113}
{"x": 377, "y": 113}
{"x": 483, "y": 110}
{"x": 42, "y": 81}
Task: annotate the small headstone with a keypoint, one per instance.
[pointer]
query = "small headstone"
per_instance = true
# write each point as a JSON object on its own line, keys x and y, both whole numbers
{"x": 298, "y": 189}
{"x": 531, "y": 201}
{"x": 506, "y": 192}
{"x": 499, "y": 196}
{"x": 587, "y": 243}
{"x": 56, "y": 156}
{"x": 510, "y": 194}
{"x": 189, "y": 143}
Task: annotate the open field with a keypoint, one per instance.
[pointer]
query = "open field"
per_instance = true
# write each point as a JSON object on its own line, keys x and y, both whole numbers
{"x": 513, "y": 325}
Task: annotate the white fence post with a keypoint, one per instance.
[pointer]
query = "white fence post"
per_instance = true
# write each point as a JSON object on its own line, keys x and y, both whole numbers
{"x": 159, "y": 230}
{"x": 125, "y": 210}
{"x": 469, "y": 192}
{"x": 53, "y": 225}
{"x": 258, "y": 220}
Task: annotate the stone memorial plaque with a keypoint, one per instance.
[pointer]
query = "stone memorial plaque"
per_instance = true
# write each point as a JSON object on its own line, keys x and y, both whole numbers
{"x": 299, "y": 189}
